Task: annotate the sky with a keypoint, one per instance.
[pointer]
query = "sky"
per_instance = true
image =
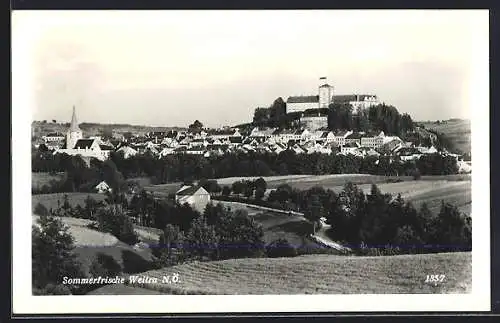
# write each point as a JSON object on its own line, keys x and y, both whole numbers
{"x": 168, "y": 68}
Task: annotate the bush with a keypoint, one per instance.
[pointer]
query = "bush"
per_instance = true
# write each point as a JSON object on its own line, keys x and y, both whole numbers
{"x": 40, "y": 209}
{"x": 105, "y": 265}
{"x": 52, "y": 254}
{"x": 112, "y": 219}
{"x": 280, "y": 248}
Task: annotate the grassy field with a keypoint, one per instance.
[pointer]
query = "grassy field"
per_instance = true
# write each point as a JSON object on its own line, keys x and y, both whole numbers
{"x": 318, "y": 274}
{"x": 459, "y": 131}
{"x": 50, "y": 200}
{"x": 88, "y": 243}
{"x": 119, "y": 289}
{"x": 40, "y": 179}
{"x": 85, "y": 237}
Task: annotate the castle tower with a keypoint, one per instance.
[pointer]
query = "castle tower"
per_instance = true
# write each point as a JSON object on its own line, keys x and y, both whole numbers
{"x": 74, "y": 132}
{"x": 325, "y": 93}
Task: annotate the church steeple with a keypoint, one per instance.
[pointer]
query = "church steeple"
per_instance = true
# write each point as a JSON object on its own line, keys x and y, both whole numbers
{"x": 74, "y": 124}
{"x": 74, "y": 132}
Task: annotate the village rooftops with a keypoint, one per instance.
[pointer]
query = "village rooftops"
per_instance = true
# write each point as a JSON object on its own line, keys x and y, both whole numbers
{"x": 303, "y": 99}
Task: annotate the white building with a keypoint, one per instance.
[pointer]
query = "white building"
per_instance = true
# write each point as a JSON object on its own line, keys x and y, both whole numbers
{"x": 196, "y": 196}
{"x": 325, "y": 93}
{"x": 357, "y": 101}
{"x": 76, "y": 145}
{"x": 53, "y": 137}
{"x": 74, "y": 132}
{"x": 373, "y": 141}
{"x": 103, "y": 187}
{"x": 313, "y": 123}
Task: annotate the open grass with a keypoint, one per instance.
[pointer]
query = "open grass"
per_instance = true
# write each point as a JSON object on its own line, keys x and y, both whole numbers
{"x": 319, "y": 274}
{"x": 50, "y": 200}
{"x": 85, "y": 237}
{"x": 40, "y": 179}
{"x": 459, "y": 131}
{"x": 120, "y": 289}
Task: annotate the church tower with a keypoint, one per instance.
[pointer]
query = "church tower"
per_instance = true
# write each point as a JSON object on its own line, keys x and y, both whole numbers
{"x": 74, "y": 132}
{"x": 325, "y": 93}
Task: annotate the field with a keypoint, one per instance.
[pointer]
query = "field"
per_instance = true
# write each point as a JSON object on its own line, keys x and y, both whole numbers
{"x": 455, "y": 189}
{"x": 40, "y": 179}
{"x": 459, "y": 131}
{"x": 318, "y": 274}
{"x": 88, "y": 243}
{"x": 50, "y": 200}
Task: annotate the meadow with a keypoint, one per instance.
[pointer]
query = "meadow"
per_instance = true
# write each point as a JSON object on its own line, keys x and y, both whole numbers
{"x": 318, "y": 274}
{"x": 458, "y": 131}
{"x": 74, "y": 198}
{"x": 40, "y": 179}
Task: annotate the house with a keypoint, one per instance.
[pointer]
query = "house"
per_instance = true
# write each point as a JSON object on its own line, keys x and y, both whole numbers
{"x": 127, "y": 151}
{"x": 354, "y": 137}
{"x": 373, "y": 140}
{"x": 103, "y": 187}
{"x": 54, "y": 137}
{"x": 340, "y": 137}
{"x": 314, "y": 122}
{"x": 196, "y": 196}
{"x": 350, "y": 148}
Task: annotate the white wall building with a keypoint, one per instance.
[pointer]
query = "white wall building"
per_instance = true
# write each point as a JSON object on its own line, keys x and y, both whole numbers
{"x": 314, "y": 122}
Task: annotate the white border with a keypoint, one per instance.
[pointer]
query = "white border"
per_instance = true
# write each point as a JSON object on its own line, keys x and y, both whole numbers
{"x": 24, "y": 303}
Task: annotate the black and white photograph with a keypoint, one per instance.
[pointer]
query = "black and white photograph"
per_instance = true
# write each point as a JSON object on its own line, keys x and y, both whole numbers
{"x": 263, "y": 160}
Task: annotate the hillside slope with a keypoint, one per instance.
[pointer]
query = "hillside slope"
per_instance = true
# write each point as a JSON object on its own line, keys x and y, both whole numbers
{"x": 317, "y": 274}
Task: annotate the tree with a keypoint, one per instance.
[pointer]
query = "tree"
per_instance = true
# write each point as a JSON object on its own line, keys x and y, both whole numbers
{"x": 170, "y": 249}
{"x": 226, "y": 191}
{"x": 314, "y": 211}
{"x": 259, "y": 194}
{"x": 202, "y": 240}
{"x": 113, "y": 219}
{"x": 105, "y": 266}
{"x": 280, "y": 248}
{"x": 53, "y": 256}
{"x": 196, "y": 126}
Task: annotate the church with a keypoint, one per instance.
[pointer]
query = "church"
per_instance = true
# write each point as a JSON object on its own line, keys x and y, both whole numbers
{"x": 87, "y": 148}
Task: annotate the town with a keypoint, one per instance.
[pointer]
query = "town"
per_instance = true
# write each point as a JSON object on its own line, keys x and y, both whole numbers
{"x": 317, "y": 174}
{"x": 310, "y": 134}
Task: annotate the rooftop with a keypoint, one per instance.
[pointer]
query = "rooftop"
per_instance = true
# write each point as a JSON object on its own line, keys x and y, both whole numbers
{"x": 303, "y": 99}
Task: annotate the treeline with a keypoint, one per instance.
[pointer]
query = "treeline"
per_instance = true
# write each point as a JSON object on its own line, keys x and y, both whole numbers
{"x": 380, "y": 117}
{"x": 375, "y": 223}
{"x": 174, "y": 168}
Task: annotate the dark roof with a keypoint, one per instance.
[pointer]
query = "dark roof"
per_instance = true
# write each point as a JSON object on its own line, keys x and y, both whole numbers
{"x": 54, "y": 134}
{"x": 188, "y": 190}
{"x": 303, "y": 99}
{"x": 325, "y": 85}
{"x": 84, "y": 143}
{"x": 106, "y": 147}
{"x": 235, "y": 140}
{"x": 350, "y": 145}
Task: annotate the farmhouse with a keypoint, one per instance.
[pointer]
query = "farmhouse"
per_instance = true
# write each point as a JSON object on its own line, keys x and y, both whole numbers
{"x": 196, "y": 196}
{"x": 103, "y": 187}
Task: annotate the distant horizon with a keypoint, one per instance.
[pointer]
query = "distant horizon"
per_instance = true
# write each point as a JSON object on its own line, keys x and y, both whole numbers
{"x": 168, "y": 68}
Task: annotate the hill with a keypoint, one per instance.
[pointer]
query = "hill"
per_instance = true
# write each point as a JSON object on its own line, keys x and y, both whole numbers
{"x": 317, "y": 274}
{"x": 457, "y": 130}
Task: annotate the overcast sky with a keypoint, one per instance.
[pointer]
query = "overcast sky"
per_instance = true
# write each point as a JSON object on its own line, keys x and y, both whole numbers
{"x": 168, "y": 68}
